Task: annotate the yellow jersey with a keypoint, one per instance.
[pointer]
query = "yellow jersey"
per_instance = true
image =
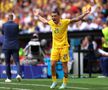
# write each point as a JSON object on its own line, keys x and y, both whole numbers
{"x": 59, "y": 33}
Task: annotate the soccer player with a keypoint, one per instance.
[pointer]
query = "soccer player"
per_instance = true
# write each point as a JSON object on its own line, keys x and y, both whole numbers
{"x": 60, "y": 42}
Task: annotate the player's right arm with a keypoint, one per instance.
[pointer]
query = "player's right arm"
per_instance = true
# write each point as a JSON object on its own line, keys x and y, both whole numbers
{"x": 36, "y": 13}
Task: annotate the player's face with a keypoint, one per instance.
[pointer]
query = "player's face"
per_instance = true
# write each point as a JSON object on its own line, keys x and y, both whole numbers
{"x": 55, "y": 18}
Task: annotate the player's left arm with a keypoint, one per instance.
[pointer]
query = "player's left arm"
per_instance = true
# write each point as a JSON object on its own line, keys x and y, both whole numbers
{"x": 80, "y": 17}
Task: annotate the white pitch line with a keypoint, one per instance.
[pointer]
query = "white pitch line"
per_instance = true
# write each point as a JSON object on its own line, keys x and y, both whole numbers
{"x": 40, "y": 85}
{"x": 4, "y": 88}
{"x": 13, "y": 88}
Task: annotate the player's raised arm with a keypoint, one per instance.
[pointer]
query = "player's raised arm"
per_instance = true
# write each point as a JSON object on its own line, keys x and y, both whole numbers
{"x": 80, "y": 17}
{"x": 36, "y": 13}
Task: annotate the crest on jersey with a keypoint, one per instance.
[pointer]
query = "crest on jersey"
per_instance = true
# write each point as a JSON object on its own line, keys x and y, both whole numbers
{"x": 56, "y": 30}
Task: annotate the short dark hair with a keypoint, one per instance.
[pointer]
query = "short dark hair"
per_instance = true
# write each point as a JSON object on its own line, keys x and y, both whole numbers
{"x": 87, "y": 1}
{"x": 11, "y": 16}
{"x": 56, "y": 11}
{"x": 89, "y": 38}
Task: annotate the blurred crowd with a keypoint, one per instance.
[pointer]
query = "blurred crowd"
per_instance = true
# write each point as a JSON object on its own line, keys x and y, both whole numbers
{"x": 28, "y": 23}
{"x": 23, "y": 11}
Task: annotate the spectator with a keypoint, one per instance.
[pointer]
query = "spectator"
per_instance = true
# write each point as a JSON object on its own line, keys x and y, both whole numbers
{"x": 89, "y": 57}
{"x": 105, "y": 37}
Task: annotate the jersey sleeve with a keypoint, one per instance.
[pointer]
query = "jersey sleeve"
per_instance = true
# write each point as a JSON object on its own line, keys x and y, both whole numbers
{"x": 50, "y": 22}
{"x": 67, "y": 21}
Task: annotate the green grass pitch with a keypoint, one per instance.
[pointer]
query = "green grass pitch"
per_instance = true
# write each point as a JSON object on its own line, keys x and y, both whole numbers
{"x": 44, "y": 84}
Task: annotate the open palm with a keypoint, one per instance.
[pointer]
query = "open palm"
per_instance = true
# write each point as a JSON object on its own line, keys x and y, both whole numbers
{"x": 36, "y": 12}
{"x": 88, "y": 11}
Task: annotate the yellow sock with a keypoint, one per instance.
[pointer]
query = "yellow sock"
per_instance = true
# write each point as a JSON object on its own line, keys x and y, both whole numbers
{"x": 54, "y": 78}
{"x": 65, "y": 80}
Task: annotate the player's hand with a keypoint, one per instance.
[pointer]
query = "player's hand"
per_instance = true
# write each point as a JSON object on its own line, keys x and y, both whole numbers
{"x": 88, "y": 11}
{"x": 36, "y": 12}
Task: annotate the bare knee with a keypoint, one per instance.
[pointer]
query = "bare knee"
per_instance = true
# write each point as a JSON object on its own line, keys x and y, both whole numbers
{"x": 53, "y": 64}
